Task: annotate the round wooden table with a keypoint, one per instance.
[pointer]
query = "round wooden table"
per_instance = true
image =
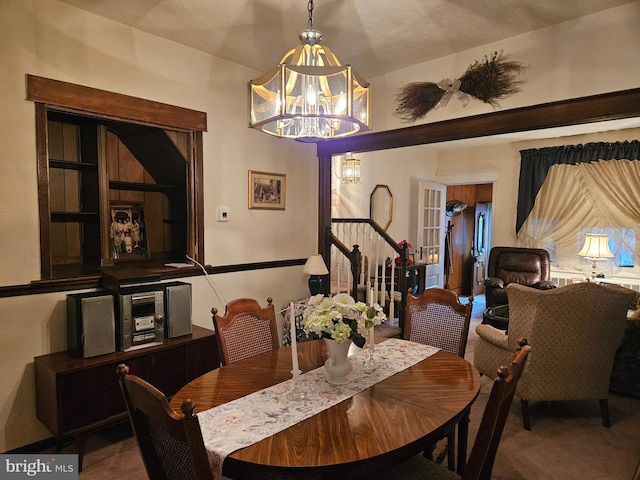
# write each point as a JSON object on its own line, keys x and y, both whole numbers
{"x": 385, "y": 424}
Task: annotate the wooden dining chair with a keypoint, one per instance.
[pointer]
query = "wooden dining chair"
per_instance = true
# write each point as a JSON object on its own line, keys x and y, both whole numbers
{"x": 246, "y": 329}
{"x": 171, "y": 444}
{"x": 437, "y": 318}
{"x": 485, "y": 446}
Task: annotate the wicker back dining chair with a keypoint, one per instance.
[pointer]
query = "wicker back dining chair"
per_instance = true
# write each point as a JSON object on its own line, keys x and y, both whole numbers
{"x": 437, "y": 318}
{"x": 246, "y": 329}
{"x": 171, "y": 444}
{"x": 483, "y": 453}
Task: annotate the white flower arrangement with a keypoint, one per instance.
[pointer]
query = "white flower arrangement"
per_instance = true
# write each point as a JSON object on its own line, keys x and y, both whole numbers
{"x": 341, "y": 318}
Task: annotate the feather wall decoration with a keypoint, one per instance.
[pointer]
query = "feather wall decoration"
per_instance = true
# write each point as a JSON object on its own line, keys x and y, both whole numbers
{"x": 490, "y": 80}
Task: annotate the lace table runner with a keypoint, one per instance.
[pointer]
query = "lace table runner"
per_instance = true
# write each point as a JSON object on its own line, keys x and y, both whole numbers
{"x": 247, "y": 420}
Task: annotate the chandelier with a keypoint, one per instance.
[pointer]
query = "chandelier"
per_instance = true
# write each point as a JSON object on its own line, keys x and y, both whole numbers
{"x": 310, "y": 96}
{"x": 350, "y": 171}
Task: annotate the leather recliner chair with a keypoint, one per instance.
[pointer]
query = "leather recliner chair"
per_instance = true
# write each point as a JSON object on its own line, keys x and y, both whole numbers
{"x": 530, "y": 267}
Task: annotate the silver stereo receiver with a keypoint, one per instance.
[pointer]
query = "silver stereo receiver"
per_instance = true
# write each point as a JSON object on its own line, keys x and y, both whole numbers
{"x": 141, "y": 317}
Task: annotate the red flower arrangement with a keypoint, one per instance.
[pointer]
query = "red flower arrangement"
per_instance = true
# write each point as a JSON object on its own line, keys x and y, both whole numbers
{"x": 398, "y": 259}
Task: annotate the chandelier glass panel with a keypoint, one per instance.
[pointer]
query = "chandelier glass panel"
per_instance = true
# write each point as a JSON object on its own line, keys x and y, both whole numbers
{"x": 310, "y": 95}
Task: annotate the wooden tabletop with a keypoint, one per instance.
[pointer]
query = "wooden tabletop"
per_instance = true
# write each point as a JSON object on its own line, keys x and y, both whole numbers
{"x": 382, "y": 425}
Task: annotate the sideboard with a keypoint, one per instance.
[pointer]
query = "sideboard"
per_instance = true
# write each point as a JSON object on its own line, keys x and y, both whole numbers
{"x": 75, "y": 396}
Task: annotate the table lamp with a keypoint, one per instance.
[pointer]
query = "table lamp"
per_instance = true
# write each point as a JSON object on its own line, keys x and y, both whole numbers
{"x": 315, "y": 267}
{"x": 596, "y": 249}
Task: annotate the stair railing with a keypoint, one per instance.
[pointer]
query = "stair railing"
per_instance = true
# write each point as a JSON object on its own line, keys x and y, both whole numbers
{"x": 367, "y": 270}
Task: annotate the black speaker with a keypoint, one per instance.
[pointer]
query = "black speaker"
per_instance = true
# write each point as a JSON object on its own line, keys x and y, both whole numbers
{"x": 91, "y": 324}
{"x": 177, "y": 308}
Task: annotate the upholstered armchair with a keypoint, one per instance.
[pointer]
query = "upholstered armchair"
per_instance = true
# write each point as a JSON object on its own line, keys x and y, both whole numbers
{"x": 575, "y": 331}
{"x": 527, "y": 266}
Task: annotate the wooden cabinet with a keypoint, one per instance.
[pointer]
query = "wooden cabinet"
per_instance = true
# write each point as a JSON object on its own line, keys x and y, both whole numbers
{"x": 415, "y": 274}
{"x": 76, "y": 395}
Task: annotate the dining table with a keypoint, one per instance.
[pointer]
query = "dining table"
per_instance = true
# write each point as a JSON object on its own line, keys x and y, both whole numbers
{"x": 382, "y": 425}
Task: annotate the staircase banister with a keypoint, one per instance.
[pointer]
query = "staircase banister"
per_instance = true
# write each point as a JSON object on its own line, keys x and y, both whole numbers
{"x": 402, "y": 252}
{"x": 339, "y": 245}
{"x": 351, "y": 220}
{"x": 354, "y": 256}
{"x": 376, "y": 227}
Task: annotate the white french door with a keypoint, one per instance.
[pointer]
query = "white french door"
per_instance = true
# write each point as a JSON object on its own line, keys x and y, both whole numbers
{"x": 431, "y": 231}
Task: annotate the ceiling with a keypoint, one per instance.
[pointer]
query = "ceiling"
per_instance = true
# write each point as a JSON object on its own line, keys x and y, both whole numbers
{"x": 375, "y": 36}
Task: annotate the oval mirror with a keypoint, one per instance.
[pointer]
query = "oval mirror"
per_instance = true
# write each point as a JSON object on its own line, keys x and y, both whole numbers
{"x": 381, "y": 208}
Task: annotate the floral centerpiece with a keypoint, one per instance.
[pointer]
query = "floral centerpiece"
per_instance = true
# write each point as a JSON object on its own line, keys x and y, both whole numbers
{"x": 398, "y": 259}
{"x": 341, "y": 318}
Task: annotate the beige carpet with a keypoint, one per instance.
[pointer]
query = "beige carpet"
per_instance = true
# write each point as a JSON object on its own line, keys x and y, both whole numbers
{"x": 567, "y": 440}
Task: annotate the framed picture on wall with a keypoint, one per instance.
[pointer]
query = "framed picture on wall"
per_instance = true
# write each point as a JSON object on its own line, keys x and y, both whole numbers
{"x": 267, "y": 191}
{"x": 127, "y": 232}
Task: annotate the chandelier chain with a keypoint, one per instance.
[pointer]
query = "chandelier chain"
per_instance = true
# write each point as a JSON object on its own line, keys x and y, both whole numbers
{"x": 310, "y": 9}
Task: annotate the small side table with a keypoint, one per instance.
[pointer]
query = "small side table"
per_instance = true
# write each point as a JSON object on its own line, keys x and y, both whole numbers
{"x": 497, "y": 316}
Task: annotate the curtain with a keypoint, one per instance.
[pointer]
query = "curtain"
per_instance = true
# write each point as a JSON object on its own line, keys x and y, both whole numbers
{"x": 535, "y": 165}
{"x": 598, "y": 195}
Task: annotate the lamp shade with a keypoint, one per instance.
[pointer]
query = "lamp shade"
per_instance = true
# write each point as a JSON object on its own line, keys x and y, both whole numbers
{"x": 315, "y": 265}
{"x": 596, "y": 245}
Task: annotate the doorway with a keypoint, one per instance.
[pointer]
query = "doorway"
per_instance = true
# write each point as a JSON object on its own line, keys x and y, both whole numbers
{"x": 470, "y": 237}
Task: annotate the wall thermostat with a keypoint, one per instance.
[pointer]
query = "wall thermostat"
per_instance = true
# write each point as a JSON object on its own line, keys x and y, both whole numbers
{"x": 223, "y": 214}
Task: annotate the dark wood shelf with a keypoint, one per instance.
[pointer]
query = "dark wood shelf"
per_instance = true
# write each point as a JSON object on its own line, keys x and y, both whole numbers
{"x": 74, "y": 216}
{"x": 68, "y": 165}
{"x": 171, "y": 221}
{"x": 142, "y": 187}
{"x": 152, "y": 270}
{"x": 66, "y": 362}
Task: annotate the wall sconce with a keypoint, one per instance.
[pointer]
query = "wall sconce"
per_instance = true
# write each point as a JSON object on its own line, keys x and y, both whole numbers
{"x": 315, "y": 267}
{"x": 596, "y": 249}
{"x": 350, "y": 172}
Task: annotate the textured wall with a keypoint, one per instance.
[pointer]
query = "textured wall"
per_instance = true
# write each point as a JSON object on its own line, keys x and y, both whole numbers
{"x": 51, "y": 39}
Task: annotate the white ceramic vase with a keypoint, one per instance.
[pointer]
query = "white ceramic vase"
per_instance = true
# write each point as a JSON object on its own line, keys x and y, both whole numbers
{"x": 338, "y": 365}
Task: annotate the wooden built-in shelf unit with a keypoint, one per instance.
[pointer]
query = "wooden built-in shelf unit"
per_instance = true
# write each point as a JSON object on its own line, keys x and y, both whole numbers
{"x": 97, "y": 149}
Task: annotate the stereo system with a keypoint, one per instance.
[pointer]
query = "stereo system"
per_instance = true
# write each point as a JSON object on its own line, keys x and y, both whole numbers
{"x": 133, "y": 317}
{"x": 140, "y": 317}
